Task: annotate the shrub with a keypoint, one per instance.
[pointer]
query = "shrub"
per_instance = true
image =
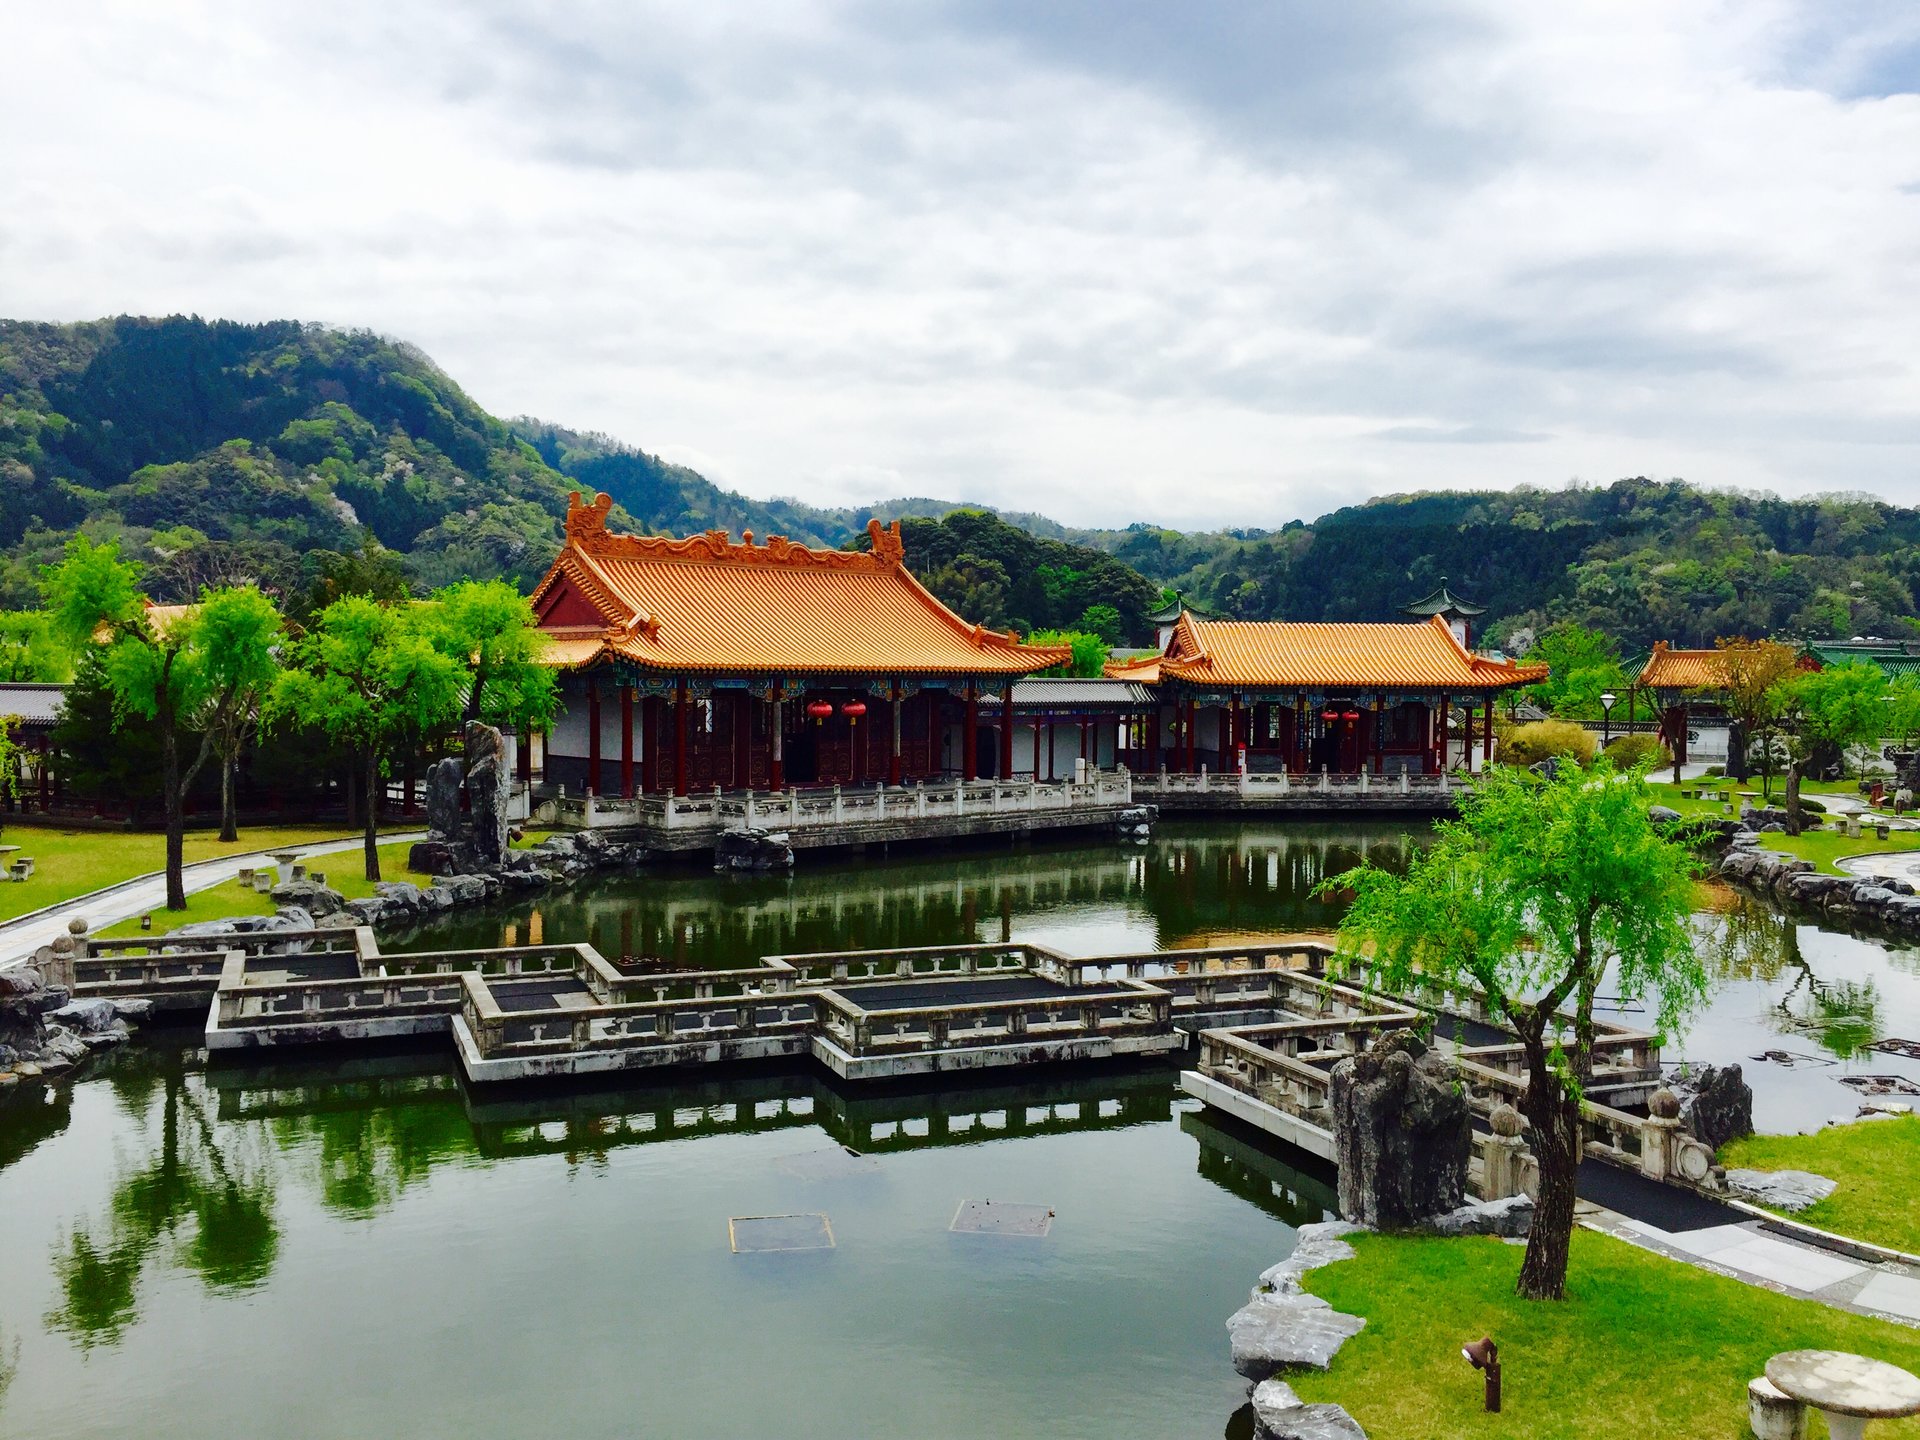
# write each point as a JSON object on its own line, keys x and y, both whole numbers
{"x": 1715, "y": 772}
{"x": 1807, "y": 802}
{"x": 1630, "y": 752}
{"x": 1530, "y": 744}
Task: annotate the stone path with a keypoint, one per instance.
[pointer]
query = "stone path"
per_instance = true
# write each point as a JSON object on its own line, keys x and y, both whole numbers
{"x": 1746, "y": 1251}
{"x": 20, "y": 938}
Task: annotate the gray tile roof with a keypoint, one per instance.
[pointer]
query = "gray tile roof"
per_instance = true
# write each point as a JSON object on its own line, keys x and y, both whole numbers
{"x": 38, "y": 706}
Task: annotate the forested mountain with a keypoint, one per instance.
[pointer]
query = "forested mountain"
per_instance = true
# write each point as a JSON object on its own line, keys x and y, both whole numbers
{"x": 310, "y": 458}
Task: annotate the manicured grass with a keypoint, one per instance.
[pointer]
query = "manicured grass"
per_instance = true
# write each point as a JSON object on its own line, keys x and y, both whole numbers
{"x": 345, "y": 872}
{"x": 1875, "y": 1162}
{"x": 1644, "y": 1346}
{"x": 69, "y": 863}
{"x": 1823, "y": 846}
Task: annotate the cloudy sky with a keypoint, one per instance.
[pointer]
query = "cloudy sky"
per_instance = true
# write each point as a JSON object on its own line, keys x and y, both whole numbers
{"x": 1195, "y": 263}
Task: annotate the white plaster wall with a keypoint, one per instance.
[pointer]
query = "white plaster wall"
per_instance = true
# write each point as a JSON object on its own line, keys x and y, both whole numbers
{"x": 570, "y": 723}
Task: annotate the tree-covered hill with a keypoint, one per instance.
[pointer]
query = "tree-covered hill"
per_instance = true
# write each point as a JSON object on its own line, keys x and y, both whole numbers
{"x": 313, "y": 459}
{"x": 1642, "y": 560}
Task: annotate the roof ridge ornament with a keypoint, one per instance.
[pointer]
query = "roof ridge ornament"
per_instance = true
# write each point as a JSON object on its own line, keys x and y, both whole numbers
{"x": 587, "y": 531}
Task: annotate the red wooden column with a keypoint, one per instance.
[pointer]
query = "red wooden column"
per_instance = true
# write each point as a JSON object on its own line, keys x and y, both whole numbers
{"x": 1230, "y": 749}
{"x": 776, "y": 740}
{"x": 1193, "y": 741}
{"x": 1379, "y": 734}
{"x": 1299, "y": 733}
{"x": 593, "y": 735}
{"x": 680, "y": 739}
{"x": 1486, "y": 738}
{"x": 626, "y": 741}
{"x": 742, "y": 739}
{"x": 894, "y": 701}
{"x": 649, "y": 744}
{"x": 970, "y": 741}
{"x": 936, "y": 707}
{"x": 1006, "y": 729}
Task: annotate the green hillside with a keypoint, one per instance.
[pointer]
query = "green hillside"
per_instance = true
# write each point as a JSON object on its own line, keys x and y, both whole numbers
{"x": 309, "y": 458}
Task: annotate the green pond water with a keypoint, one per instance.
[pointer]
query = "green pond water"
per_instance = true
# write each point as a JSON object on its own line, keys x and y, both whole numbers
{"x": 366, "y": 1247}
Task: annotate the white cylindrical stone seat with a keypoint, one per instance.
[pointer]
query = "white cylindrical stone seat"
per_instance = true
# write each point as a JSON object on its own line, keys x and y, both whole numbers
{"x": 1774, "y": 1414}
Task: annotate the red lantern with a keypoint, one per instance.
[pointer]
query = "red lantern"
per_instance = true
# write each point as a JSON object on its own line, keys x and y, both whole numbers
{"x": 1351, "y": 715}
{"x": 853, "y": 710}
{"x": 820, "y": 710}
{"x": 1329, "y": 714}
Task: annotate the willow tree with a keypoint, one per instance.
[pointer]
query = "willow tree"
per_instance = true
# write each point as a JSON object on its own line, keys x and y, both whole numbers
{"x": 368, "y": 676}
{"x": 1539, "y": 891}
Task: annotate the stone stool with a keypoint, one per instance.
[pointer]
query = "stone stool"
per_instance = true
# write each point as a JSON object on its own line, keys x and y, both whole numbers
{"x": 1774, "y": 1414}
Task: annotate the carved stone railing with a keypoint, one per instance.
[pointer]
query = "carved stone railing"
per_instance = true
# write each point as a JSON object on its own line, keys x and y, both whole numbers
{"x": 1280, "y": 786}
{"x": 867, "y": 805}
{"x": 1125, "y": 1008}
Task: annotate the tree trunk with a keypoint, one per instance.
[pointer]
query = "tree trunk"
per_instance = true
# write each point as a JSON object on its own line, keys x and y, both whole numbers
{"x": 1793, "y": 797}
{"x": 1737, "y": 752}
{"x": 176, "y": 810}
{"x": 350, "y": 791}
{"x": 373, "y": 814}
{"x": 229, "y": 812}
{"x": 1553, "y": 1119}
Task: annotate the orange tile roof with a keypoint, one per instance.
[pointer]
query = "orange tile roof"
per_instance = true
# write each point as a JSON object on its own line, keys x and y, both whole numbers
{"x": 1239, "y": 654}
{"x": 1668, "y": 669}
{"x": 714, "y": 605}
{"x": 1142, "y": 668}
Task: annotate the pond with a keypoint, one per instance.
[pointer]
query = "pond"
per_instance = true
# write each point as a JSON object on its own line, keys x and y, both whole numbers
{"x": 369, "y": 1247}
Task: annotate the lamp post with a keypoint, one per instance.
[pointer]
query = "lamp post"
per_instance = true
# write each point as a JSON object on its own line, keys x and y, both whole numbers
{"x": 1607, "y": 698}
{"x": 1484, "y": 1355}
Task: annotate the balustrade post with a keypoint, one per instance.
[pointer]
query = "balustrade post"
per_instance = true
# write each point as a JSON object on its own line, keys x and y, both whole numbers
{"x": 839, "y": 812}
{"x": 919, "y": 799}
{"x": 1658, "y": 1146}
{"x": 749, "y": 809}
{"x": 959, "y": 797}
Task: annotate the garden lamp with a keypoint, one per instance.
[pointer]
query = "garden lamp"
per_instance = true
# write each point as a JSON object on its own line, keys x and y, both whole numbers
{"x": 1484, "y": 1355}
{"x": 1607, "y": 699}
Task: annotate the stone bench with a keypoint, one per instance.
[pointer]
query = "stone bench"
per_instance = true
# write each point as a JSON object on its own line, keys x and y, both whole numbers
{"x": 21, "y": 869}
{"x": 1774, "y": 1414}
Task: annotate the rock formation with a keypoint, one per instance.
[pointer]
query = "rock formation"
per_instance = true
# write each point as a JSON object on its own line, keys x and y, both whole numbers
{"x": 1781, "y": 1189}
{"x": 489, "y": 789}
{"x": 45, "y": 1032}
{"x": 752, "y": 849}
{"x": 1402, "y": 1133}
{"x": 1716, "y": 1103}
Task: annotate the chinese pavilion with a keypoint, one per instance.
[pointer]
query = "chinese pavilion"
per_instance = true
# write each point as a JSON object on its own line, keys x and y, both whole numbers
{"x": 704, "y": 662}
{"x": 1674, "y": 679}
{"x": 1345, "y": 698}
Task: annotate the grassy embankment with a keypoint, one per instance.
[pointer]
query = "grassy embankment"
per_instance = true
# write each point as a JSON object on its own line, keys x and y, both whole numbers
{"x": 1643, "y": 1346}
{"x": 1823, "y": 847}
{"x": 70, "y": 863}
{"x": 1874, "y": 1161}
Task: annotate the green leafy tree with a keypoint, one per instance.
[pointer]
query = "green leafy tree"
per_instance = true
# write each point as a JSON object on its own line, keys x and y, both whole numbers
{"x": 30, "y": 650}
{"x": 488, "y": 627}
{"x": 1538, "y": 892}
{"x": 1583, "y": 666}
{"x": 1834, "y": 709}
{"x": 154, "y": 671}
{"x": 1756, "y": 694}
{"x": 10, "y": 757}
{"x": 369, "y": 676}
{"x": 1903, "y": 709}
{"x": 1104, "y": 621}
{"x": 236, "y": 631}
{"x": 1090, "y": 652}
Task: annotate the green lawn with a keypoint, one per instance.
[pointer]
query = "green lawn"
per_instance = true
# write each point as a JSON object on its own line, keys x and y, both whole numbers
{"x": 345, "y": 872}
{"x": 1822, "y": 846}
{"x": 70, "y": 863}
{"x": 1875, "y": 1162}
{"x": 1645, "y": 1346}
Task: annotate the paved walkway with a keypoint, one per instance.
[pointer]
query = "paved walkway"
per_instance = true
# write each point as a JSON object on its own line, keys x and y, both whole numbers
{"x": 1746, "y": 1250}
{"x": 20, "y": 938}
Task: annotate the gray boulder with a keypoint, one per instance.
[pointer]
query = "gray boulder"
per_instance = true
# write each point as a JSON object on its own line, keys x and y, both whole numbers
{"x": 445, "y": 781}
{"x": 752, "y": 849}
{"x": 489, "y": 787}
{"x": 1278, "y": 1414}
{"x": 1781, "y": 1189}
{"x": 85, "y": 1017}
{"x": 1663, "y": 815}
{"x": 1314, "y": 1245}
{"x": 206, "y": 934}
{"x": 1274, "y": 1332}
{"x": 1716, "y": 1104}
{"x": 313, "y": 898}
{"x": 400, "y": 894}
{"x": 1402, "y": 1133}
{"x": 1511, "y": 1217}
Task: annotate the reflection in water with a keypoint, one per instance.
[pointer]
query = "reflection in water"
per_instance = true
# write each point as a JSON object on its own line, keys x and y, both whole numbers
{"x": 1193, "y": 884}
{"x": 1750, "y": 940}
{"x": 1842, "y": 1015}
{"x": 1242, "y": 1161}
{"x": 203, "y": 1195}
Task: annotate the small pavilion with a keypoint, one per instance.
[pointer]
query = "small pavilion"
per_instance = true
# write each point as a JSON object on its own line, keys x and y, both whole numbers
{"x": 1306, "y": 698}
{"x": 1676, "y": 680}
{"x": 1459, "y": 614}
{"x": 703, "y": 663}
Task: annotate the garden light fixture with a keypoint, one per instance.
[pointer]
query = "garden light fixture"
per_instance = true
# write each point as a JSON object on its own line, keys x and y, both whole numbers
{"x": 1484, "y": 1355}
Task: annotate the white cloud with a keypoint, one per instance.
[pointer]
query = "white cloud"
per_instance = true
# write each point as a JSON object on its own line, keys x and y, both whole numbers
{"x": 1109, "y": 261}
